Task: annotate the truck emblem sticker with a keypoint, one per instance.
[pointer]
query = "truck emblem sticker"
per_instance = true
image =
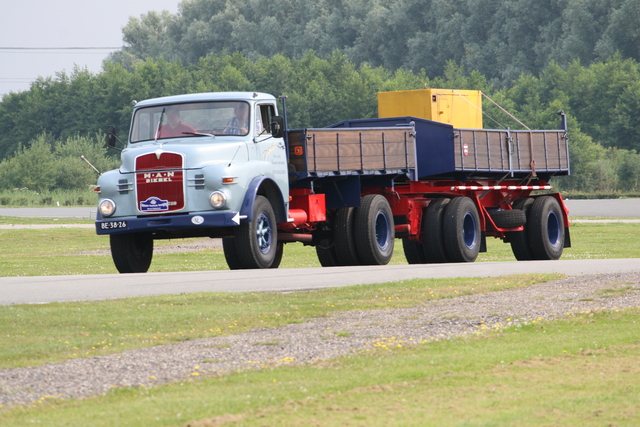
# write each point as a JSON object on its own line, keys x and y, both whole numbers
{"x": 158, "y": 176}
{"x": 154, "y": 204}
{"x": 197, "y": 220}
{"x": 269, "y": 150}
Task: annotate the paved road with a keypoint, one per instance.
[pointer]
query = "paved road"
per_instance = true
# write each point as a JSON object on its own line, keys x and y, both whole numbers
{"x": 624, "y": 208}
{"x": 17, "y": 290}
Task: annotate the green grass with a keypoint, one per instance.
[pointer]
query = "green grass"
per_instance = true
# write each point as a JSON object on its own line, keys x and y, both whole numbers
{"x": 23, "y": 197}
{"x": 38, "y": 252}
{"x": 579, "y": 371}
{"x": 37, "y": 334}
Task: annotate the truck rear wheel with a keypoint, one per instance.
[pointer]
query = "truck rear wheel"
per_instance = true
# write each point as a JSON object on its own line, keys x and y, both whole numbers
{"x": 256, "y": 241}
{"x": 462, "y": 230}
{"x": 374, "y": 230}
{"x": 326, "y": 252}
{"x": 344, "y": 237}
{"x": 132, "y": 252}
{"x": 546, "y": 229}
{"x": 432, "y": 226}
{"x": 519, "y": 239}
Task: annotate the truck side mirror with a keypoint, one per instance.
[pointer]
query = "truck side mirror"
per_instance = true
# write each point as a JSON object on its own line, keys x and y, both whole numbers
{"x": 111, "y": 136}
{"x": 277, "y": 127}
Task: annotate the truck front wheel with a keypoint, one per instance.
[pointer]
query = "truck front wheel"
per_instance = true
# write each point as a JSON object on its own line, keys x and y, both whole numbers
{"x": 256, "y": 241}
{"x": 374, "y": 230}
{"x": 132, "y": 253}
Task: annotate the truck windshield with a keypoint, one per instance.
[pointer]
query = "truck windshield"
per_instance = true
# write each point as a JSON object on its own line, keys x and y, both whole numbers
{"x": 189, "y": 120}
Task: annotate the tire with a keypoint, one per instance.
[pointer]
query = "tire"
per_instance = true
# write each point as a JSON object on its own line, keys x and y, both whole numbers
{"x": 546, "y": 229}
{"x": 257, "y": 241}
{"x": 432, "y": 226}
{"x": 326, "y": 252}
{"x": 413, "y": 251}
{"x": 374, "y": 230}
{"x": 132, "y": 253}
{"x": 509, "y": 218}
{"x": 344, "y": 237}
{"x": 231, "y": 253}
{"x": 519, "y": 240}
{"x": 278, "y": 258}
{"x": 461, "y": 230}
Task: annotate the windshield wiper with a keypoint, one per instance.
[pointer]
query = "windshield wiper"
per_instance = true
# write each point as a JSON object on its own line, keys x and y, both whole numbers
{"x": 159, "y": 123}
{"x": 199, "y": 134}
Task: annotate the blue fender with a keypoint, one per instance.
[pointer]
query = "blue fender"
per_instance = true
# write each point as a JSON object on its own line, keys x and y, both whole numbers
{"x": 267, "y": 187}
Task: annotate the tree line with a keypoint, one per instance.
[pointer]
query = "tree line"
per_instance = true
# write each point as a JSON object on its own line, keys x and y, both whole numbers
{"x": 501, "y": 39}
{"x": 57, "y": 117}
{"x": 331, "y": 57}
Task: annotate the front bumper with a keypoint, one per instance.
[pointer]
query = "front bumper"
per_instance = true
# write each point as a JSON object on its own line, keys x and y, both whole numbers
{"x": 168, "y": 222}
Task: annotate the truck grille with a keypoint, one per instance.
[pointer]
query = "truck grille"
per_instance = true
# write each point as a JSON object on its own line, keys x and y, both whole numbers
{"x": 160, "y": 182}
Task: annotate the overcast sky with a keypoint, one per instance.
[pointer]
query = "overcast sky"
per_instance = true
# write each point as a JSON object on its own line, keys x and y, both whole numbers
{"x": 62, "y": 23}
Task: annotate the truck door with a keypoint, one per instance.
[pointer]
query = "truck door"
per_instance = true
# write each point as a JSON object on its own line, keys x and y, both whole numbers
{"x": 271, "y": 149}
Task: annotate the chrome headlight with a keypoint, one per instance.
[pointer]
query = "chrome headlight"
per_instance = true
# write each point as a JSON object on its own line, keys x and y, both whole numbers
{"x": 107, "y": 207}
{"x": 218, "y": 200}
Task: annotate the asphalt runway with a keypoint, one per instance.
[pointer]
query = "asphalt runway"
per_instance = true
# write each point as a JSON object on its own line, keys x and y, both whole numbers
{"x": 36, "y": 290}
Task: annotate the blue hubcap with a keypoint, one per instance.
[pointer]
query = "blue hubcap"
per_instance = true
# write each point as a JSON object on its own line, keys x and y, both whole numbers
{"x": 264, "y": 233}
{"x": 382, "y": 230}
{"x": 469, "y": 230}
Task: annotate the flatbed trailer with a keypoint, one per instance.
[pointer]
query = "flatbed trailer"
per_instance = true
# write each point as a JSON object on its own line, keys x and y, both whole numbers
{"x": 420, "y": 166}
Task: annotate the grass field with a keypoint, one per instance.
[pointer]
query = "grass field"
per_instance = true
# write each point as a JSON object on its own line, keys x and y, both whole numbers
{"x": 580, "y": 370}
{"x": 40, "y": 252}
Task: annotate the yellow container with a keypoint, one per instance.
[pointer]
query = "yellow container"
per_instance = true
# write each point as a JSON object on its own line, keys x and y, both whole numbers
{"x": 460, "y": 108}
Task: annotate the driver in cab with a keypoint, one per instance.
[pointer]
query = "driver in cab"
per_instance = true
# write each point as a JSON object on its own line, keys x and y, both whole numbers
{"x": 174, "y": 127}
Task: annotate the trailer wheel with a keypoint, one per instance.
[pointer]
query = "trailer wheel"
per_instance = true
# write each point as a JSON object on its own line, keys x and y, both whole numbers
{"x": 519, "y": 239}
{"x": 462, "y": 230}
{"x": 344, "y": 237}
{"x": 131, "y": 253}
{"x": 374, "y": 230}
{"x": 326, "y": 252}
{"x": 257, "y": 241}
{"x": 432, "y": 226}
{"x": 546, "y": 229}
{"x": 413, "y": 251}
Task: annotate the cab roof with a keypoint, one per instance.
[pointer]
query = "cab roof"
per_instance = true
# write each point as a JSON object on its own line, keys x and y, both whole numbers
{"x": 207, "y": 96}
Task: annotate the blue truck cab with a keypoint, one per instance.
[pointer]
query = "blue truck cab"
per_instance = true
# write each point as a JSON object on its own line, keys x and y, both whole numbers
{"x": 207, "y": 164}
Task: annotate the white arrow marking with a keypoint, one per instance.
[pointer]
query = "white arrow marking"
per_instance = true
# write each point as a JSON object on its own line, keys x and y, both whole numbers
{"x": 236, "y": 218}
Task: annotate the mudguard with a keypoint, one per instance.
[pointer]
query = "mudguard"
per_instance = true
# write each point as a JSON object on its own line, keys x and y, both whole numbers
{"x": 267, "y": 187}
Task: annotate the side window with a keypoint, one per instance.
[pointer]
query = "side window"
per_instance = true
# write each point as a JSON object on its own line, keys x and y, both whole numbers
{"x": 264, "y": 116}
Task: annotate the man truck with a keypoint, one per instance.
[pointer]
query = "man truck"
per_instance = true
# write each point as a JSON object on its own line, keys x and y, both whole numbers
{"x": 225, "y": 165}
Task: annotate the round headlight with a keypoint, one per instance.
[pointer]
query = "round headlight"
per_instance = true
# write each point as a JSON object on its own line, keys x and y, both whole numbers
{"x": 107, "y": 207}
{"x": 218, "y": 200}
